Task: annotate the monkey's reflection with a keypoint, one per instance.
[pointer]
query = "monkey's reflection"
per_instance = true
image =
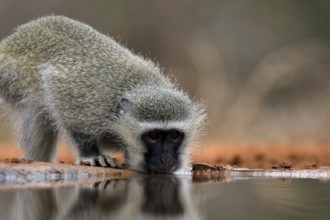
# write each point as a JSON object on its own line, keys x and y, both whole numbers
{"x": 143, "y": 197}
{"x": 162, "y": 196}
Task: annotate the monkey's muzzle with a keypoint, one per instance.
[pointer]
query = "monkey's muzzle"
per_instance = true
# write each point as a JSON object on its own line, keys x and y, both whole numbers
{"x": 164, "y": 163}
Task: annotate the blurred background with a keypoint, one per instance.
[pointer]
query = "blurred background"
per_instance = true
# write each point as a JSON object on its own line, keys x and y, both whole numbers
{"x": 262, "y": 67}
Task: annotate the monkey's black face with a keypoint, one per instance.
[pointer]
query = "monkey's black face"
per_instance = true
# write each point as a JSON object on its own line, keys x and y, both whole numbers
{"x": 162, "y": 150}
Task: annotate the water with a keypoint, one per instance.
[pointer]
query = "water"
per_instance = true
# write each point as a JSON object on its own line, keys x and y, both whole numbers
{"x": 170, "y": 197}
{"x": 265, "y": 199}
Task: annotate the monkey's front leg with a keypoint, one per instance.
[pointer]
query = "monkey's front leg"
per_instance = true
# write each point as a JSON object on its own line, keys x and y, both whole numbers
{"x": 89, "y": 152}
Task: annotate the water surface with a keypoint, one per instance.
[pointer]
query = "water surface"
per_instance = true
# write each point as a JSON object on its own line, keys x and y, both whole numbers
{"x": 170, "y": 197}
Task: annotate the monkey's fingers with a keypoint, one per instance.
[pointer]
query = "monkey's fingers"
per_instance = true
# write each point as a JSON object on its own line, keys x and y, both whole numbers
{"x": 112, "y": 162}
{"x": 100, "y": 160}
{"x": 89, "y": 161}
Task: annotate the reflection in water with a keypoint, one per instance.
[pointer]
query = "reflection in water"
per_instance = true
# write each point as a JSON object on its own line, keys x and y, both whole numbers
{"x": 162, "y": 197}
{"x": 169, "y": 197}
{"x": 143, "y": 197}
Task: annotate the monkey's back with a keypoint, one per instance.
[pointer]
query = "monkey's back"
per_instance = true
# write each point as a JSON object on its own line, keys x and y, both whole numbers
{"x": 71, "y": 70}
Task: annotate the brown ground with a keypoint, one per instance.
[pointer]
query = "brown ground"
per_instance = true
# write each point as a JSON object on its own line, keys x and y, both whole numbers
{"x": 306, "y": 154}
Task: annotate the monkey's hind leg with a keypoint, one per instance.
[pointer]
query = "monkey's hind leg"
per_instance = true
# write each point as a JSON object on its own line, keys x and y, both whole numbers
{"x": 89, "y": 153}
{"x": 37, "y": 135}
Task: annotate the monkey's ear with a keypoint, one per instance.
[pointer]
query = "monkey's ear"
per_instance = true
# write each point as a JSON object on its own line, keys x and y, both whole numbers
{"x": 123, "y": 106}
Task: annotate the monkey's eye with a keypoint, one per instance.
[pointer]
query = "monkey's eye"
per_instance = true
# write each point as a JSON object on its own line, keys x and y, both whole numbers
{"x": 174, "y": 136}
{"x": 154, "y": 135}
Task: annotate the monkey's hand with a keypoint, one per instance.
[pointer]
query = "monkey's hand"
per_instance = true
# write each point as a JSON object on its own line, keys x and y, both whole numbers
{"x": 99, "y": 160}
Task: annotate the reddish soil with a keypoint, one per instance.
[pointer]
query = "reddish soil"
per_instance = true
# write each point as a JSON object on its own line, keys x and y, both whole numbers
{"x": 281, "y": 155}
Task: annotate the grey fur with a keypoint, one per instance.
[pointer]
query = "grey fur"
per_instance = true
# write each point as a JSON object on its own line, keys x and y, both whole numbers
{"x": 62, "y": 75}
{"x": 36, "y": 135}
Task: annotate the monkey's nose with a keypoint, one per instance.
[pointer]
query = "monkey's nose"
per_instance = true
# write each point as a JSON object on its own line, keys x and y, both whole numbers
{"x": 164, "y": 163}
{"x": 165, "y": 159}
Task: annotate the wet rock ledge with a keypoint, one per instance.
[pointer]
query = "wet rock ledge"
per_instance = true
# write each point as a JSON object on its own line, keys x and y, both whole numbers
{"x": 16, "y": 173}
{"x": 202, "y": 172}
{"x": 19, "y": 172}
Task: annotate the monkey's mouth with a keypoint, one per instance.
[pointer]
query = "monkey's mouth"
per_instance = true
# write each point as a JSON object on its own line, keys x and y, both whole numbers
{"x": 161, "y": 168}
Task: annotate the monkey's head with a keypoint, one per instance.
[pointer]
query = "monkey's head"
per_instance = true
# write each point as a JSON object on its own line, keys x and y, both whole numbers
{"x": 158, "y": 127}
